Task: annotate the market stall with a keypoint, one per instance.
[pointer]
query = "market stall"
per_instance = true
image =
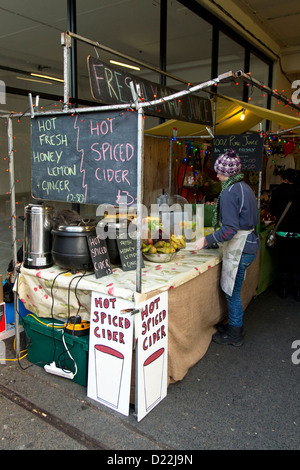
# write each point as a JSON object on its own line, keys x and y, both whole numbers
{"x": 105, "y": 146}
{"x": 64, "y": 293}
{"x": 191, "y": 279}
{"x": 66, "y": 150}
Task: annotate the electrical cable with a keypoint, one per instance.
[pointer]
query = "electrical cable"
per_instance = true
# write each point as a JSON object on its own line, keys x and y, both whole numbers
{"x": 24, "y": 325}
{"x": 39, "y": 22}
{"x": 52, "y": 306}
{"x": 49, "y": 325}
{"x": 53, "y": 325}
{"x": 63, "y": 340}
{"x": 16, "y": 359}
{"x": 67, "y": 350}
{"x": 80, "y": 276}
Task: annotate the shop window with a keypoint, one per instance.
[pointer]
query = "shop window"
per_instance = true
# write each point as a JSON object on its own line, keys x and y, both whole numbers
{"x": 132, "y": 31}
{"x": 231, "y": 58}
{"x": 189, "y": 46}
{"x": 260, "y": 71}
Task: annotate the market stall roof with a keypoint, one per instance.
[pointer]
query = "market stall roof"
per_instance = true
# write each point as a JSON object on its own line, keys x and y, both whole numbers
{"x": 228, "y": 120}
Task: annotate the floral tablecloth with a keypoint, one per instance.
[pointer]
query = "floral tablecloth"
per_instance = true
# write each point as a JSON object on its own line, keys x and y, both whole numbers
{"x": 55, "y": 292}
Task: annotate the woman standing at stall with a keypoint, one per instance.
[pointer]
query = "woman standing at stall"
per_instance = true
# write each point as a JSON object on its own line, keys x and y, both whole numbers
{"x": 237, "y": 211}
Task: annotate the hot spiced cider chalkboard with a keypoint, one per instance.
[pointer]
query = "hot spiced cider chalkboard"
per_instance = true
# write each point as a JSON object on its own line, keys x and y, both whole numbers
{"x": 249, "y": 147}
{"x": 86, "y": 159}
{"x": 100, "y": 256}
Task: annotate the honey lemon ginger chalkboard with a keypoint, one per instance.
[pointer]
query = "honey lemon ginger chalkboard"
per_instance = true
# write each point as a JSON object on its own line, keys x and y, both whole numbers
{"x": 86, "y": 159}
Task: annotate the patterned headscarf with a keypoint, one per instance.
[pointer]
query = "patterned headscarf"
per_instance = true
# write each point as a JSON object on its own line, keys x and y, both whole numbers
{"x": 228, "y": 164}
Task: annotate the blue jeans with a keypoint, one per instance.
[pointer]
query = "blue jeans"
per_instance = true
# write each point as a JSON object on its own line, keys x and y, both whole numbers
{"x": 234, "y": 301}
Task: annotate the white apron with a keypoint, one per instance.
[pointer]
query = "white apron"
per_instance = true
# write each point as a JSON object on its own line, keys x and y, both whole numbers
{"x": 232, "y": 252}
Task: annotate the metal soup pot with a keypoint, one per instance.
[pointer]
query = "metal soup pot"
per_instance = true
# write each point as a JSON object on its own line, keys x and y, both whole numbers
{"x": 38, "y": 224}
{"x": 70, "y": 248}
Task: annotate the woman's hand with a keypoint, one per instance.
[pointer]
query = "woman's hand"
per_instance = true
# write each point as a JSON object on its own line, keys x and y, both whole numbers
{"x": 201, "y": 243}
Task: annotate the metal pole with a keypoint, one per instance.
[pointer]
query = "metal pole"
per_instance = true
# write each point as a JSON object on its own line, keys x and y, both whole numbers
{"x": 13, "y": 225}
{"x": 163, "y": 39}
{"x": 163, "y": 44}
{"x": 70, "y": 68}
{"x": 71, "y": 12}
{"x": 124, "y": 56}
{"x": 140, "y": 156}
{"x": 259, "y": 189}
{"x": 214, "y": 114}
{"x": 170, "y": 166}
{"x": 31, "y": 105}
{"x": 66, "y": 42}
{"x": 279, "y": 96}
{"x": 143, "y": 104}
{"x": 260, "y": 173}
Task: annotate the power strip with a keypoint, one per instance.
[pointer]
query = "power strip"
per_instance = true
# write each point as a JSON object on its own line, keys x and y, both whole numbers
{"x": 52, "y": 369}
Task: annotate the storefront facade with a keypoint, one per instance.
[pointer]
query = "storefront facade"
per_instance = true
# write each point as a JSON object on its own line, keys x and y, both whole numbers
{"x": 188, "y": 39}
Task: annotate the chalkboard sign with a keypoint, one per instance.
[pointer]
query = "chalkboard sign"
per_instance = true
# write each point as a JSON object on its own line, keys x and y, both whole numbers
{"x": 128, "y": 252}
{"x": 248, "y": 147}
{"x": 100, "y": 256}
{"x": 111, "y": 85}
{"x": 86, "y": 159}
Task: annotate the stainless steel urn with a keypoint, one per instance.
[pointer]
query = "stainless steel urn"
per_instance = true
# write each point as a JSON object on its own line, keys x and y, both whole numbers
{"x": 37, "y": 236}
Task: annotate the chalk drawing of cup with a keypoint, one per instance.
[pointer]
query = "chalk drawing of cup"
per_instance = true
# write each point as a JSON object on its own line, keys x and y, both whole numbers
{"x": 153, "y": 377}
{"x": 109, "y": 368}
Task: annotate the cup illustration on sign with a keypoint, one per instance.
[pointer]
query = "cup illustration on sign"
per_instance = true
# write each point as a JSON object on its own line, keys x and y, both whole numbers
{"x": 109, "y": 368}
{"x": 153, "y": 377}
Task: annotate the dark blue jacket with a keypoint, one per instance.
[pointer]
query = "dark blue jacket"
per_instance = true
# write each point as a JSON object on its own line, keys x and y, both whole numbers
{"x": 238, "y": 211}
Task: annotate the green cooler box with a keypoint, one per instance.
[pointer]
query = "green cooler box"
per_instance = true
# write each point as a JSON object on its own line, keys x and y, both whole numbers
{"x": 45, "y": 345}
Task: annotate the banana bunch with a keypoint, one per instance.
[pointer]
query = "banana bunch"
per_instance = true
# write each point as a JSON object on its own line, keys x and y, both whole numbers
{"x": 179, "y": 241}
{"x": 163, "y": 246}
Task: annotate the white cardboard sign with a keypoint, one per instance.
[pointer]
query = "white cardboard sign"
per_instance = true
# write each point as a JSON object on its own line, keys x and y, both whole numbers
{"x": 110, "y": 351}
{"x": 152, "y": 353}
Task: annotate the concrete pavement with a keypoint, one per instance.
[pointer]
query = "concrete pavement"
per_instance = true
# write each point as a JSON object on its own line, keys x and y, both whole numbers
{"x": 244, "y": 398}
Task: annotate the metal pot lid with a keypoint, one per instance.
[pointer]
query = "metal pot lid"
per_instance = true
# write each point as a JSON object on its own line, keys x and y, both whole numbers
{"x": 38, "y": 208}
{"x": 76, "y": 228}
